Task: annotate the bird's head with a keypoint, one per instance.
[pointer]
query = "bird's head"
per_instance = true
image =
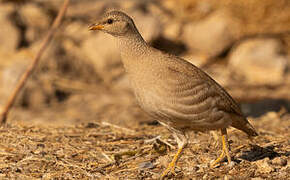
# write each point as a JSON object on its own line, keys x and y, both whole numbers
{"x": 115, "y": 23}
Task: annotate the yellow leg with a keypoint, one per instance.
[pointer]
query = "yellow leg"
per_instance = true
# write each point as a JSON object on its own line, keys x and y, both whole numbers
{"x": 225, "y": 150}
{"x": 226, "y": 145}
{"x": 181, "y": 141}
{"x": 171, "y": 165}
{"x": 222, "y": 155}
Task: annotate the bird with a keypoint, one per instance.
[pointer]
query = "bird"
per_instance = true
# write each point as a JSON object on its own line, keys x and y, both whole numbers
{"x": 173, "y": 91}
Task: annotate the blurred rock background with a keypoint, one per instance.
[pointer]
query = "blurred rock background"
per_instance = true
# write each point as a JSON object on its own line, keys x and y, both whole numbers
{"x": 244, "y": 45}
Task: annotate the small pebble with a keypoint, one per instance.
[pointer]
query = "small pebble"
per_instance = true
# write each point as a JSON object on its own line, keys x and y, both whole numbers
{"x": 146, "y": 165}
{"x": 279, "y": 161}
{"x": 232, "y": 164}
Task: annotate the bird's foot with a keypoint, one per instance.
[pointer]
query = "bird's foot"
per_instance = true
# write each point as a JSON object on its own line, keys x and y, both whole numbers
{"x": 170, "y": 168}
{"x": 171, "y": 165}
{"x": 218, "y": 160}
{"x": 225, "y": 150}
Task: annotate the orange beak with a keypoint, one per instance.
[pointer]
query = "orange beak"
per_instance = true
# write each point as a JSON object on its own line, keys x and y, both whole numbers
{"x": 96, "y": 27}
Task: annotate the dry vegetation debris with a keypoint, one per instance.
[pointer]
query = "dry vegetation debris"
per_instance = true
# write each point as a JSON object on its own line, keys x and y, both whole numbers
{"x": 104, "y": 150}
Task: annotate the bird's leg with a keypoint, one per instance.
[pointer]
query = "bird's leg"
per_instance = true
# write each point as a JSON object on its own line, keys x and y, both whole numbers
{"x": 222, "y": 155}
{"x": 225, "y": 150}
{"x": 226, "y": 146}
{"x": 181, "y": 141}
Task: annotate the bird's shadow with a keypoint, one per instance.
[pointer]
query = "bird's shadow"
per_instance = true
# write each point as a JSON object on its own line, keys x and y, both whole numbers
{"x": 257, "y": 153}
{"x": 169, "y": 46}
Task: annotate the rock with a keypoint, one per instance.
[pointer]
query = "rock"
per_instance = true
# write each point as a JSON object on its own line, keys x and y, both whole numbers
{"x": 263, "y": 166}
{"x": 271, "y": 114}
{"x": 10, "y": 71}
{"x": 172, "y": 30}
{"x": 34, "y": 16}
{"x": 49, "y": 58}
{"x": 9, "y": 35}
{"x": 191, "y": 9}
{"x": 85, "y": 9}
{"x": 36, "y": 21}
{"x": 102, "y": 52}
{"x": 259, "y": 61}
{"x": 148, "y": 25}
{"x": 279, "y": 161}
{"x": 76, "y": 31}
{"x": 37, "y": 91}
{"x": 212, "y": 35}
{"x": 204, "y": 7}
{"x": 146, "y": 165}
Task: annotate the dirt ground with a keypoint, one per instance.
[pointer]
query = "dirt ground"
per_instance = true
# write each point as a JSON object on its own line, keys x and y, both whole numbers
{"x": 106, "y": 151}
{"x": 78, "y": 119}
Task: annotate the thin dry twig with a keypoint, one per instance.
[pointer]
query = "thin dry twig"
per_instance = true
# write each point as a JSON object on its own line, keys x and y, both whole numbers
{"x": 159, "y": 139}
{"x": 102, "y": 168}
{"x": 30, "y": 69}
{"x": 130, "y": 131}
{"x": 107, "y": 157}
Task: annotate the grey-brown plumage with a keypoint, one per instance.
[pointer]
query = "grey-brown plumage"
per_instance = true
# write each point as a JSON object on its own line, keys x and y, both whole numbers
{"x": 175, "y": 92}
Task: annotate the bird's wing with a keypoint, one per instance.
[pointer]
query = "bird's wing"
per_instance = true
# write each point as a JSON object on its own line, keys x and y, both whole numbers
{"x": 189, "y": 71}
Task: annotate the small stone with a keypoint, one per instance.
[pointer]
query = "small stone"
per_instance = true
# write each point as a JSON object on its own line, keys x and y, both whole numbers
{"x": 272, "y": 115}
{"x": 102, "y": 52}
{"x": 11, "y": 70}
{"x": 279, "y": 161}
{"x": 9, "y": 35}
{"x": 172, "y": 30}
{"x": 232, "y": 164}
{"x": 92, "y": 125}
{"x": 35, "y": 20}
{"x": 145, "y": 22}
{"x": 259, "y": 61}
{"x": 47, "y": 176}
{"x": 84, "y": 9}
{"x": 205, "y": 176}
{"x": 228, "y": 177}
{"x": 156, "y": 176}
{"x": 146, "y": 165}
{"x": 34, "y": 16}
{"x": 76, "y": 31}
{"x": 263, "y": 166}
{"x": 212, "y": 35}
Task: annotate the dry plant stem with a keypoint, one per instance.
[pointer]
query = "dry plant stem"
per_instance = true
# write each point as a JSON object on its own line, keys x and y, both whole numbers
{"x": 30, "y": 69}
{"x": 130, "y": 131}
{"x": 100, "y": 169}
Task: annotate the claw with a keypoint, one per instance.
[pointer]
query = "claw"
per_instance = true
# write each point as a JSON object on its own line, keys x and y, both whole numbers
{"x": 171, "y": 165}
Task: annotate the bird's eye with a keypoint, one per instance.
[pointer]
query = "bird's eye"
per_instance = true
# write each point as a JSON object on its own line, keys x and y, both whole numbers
{"x": 110, "y": 21}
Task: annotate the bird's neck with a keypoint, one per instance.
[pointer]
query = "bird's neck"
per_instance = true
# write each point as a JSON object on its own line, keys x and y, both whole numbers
{"x": 133, "y": 49}
{"x": 132, "y": 45}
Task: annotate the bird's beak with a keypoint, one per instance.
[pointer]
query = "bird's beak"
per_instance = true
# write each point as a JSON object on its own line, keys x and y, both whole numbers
{"x": 96, "y": 27}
